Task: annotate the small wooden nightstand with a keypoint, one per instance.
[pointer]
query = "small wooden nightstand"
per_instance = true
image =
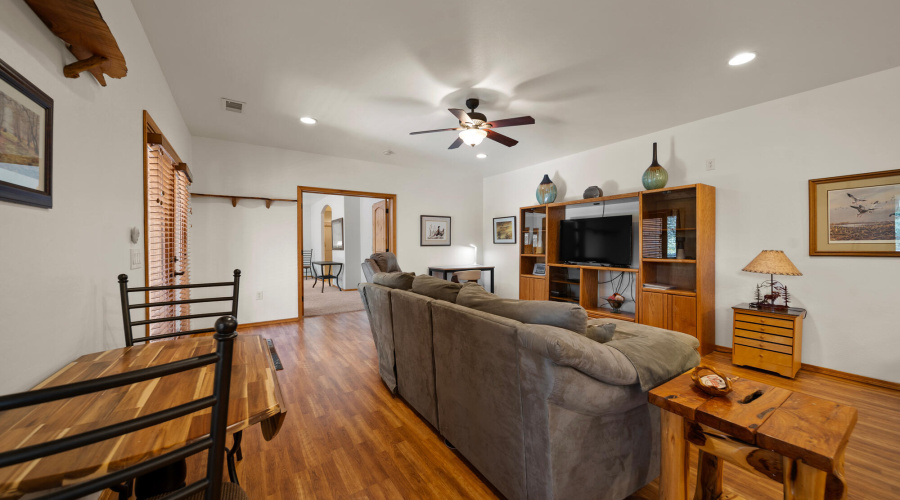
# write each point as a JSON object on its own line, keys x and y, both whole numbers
{"x": 767, "y": 339}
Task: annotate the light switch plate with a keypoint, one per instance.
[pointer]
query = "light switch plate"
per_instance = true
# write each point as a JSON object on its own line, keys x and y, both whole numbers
{"x": 136, "y": 258}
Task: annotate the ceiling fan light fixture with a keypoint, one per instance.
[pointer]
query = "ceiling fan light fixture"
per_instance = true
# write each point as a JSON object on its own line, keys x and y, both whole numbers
{"x": 473, "y": 136}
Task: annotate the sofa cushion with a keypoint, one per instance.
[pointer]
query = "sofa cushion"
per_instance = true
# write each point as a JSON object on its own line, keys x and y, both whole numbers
{"x": 386, "y": 261}
{"x": 657, "y": 354}
{"x": 572, "y": 317}
{"x": 398, "y": 280}
{"x": 600, "y": 330}
{"x": 436, "y": 288}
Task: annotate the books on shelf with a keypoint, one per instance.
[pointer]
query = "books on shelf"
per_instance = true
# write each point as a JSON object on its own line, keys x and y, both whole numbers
{"x": 658, "y": 286}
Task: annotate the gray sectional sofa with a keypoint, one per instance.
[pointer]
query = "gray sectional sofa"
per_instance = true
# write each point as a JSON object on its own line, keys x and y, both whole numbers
{"x": 521, "y": 388}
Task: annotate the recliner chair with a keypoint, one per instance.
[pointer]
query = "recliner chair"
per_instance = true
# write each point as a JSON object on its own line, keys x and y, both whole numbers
{"x": 379, "y": 262}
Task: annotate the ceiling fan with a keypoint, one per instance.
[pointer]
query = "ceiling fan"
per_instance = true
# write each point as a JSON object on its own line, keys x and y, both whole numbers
{"x": 475, "y": 127}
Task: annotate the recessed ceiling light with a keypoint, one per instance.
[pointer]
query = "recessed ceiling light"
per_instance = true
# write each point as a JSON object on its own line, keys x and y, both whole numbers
{"x": 308, "y": 120}
{"x": 742, "y": 58}
{"x": 481, "y": 156}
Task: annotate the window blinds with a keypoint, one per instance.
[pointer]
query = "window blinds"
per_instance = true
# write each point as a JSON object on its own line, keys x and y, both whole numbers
{"x": 168, "y": 221}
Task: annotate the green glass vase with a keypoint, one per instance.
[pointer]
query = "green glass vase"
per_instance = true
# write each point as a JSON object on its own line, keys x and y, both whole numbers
{"x": 546, "y": 191}
{"x": 655, "y": 177}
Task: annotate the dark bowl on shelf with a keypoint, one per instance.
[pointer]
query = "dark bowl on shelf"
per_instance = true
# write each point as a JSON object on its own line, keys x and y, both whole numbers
{"x": 615, "y": 304}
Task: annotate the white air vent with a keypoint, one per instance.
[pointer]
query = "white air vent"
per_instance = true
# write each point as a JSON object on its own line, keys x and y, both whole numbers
{"x": 232, "y": 105}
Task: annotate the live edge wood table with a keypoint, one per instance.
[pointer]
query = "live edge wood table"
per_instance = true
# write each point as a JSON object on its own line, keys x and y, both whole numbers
{"x": 789, "y": 437}
{"x": 255, "y": 398}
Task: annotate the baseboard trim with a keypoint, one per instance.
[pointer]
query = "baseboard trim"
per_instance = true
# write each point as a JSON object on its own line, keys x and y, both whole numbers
{"x": 266, "y": 323}
{"x": 835, "y": 373}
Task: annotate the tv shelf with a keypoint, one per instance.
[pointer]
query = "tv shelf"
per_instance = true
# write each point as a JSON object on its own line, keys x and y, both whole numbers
{"x": 671, "y": 223}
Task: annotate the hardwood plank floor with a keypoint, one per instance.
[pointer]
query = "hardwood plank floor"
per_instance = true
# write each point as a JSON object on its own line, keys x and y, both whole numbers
{"x": 345, "y": 436}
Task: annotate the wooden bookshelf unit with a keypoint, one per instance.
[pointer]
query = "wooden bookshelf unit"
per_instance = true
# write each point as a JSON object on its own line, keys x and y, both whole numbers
{"x": 676, "y": 252}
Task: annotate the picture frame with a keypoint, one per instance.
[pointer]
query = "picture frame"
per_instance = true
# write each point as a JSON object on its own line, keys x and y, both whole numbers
{"x": 434, "y": 231}
{"x": 505, "y": 230}
{"x": 337, "y": 234}
{"x": 26, "y": 141}
{"x": 855, "y": 215}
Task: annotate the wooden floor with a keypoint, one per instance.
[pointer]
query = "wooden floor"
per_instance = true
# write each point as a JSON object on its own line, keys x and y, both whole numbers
{"x": 345, "y": 436}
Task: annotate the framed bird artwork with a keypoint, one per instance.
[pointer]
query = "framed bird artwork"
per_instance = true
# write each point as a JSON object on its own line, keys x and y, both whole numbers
{"x": 855, "y": 215}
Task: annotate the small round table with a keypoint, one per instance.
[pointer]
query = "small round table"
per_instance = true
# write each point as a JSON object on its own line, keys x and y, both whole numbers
{"x": 330, "y": 276}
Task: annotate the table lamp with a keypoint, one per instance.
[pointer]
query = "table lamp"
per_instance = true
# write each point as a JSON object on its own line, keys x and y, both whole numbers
{"x": 772, "y": 262}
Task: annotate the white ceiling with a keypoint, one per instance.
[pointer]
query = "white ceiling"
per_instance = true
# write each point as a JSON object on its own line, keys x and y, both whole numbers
{"x": 590, "y": 72}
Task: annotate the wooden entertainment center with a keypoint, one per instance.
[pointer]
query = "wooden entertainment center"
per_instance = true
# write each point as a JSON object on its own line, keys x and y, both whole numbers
{"x": 676, "y": 230}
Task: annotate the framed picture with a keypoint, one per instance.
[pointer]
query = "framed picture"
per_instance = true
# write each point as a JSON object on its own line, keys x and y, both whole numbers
{"x": 434, "y": 231}
{"x": 855, "y": 215}
{"x": 26, "y": 131}
{"x": 505, "y": 230}
{"x": 337, "y": 234}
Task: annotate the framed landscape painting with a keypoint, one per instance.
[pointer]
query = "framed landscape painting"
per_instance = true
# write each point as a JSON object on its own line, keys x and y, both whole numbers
{"x": 855, "y": 215}
{"x": 26, "y": 125}
{"x": 434, "y": 231}
{"x": 505, "y": 230}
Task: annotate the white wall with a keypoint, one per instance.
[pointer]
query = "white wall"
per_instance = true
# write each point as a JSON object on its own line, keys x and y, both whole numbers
{"x": 58, "y": 292}
{"x": 764, "y": 156}
{"x": 222, "y": 167}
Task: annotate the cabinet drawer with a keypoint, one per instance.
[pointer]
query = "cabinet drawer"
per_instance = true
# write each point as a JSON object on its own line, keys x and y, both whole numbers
{"x": 756, "y": 327}
{"x": 785, "y": 349}
{"x": 767, "y": 360}
{"x": 764, "y": 320}
{"x": 763, "y": 336}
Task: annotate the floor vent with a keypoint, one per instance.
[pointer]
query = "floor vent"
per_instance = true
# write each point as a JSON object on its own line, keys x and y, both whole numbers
{"x": 232, "y": 105}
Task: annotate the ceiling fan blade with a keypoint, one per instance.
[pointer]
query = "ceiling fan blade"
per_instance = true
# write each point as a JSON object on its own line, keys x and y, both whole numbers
{"x": 457, "y": 143}
{"x": 512, "y": 122}
{"x": 436, "y": 130}
{"x": 461, "y": 116}
{"x": 502, "y": 139}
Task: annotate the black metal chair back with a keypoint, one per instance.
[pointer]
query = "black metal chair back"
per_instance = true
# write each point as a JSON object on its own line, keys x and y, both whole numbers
{"x": 214, "y": 444}
{"x": 127, "y": 307}
{"x": 307, "y": 262}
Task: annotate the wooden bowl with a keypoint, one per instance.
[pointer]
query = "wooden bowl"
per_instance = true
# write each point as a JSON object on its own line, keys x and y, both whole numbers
{"x": 702, "y": 371}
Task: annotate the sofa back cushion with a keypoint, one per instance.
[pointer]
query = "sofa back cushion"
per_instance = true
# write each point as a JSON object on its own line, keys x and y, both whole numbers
{"x": 560, "y": 314}
{"x": 397, "y": 280}
{"x": 413, "y": 350}
{"x": 386, "y": 261}
{"x": 477, "y": 385}
{"x": 436, "y": 288}
{"x": 377, "y": 301}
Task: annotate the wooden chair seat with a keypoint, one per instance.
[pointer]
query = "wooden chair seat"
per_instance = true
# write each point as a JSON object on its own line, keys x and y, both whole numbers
{"x": 467, "y": 276}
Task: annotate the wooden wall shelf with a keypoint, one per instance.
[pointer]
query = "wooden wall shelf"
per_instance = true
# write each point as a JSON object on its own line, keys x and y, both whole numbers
{"x": 87, "y": 36}
{"x": 234, "y": 199}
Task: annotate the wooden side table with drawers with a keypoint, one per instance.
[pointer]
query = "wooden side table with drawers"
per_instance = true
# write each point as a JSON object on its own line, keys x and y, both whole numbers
{"x": 768, "y": 339}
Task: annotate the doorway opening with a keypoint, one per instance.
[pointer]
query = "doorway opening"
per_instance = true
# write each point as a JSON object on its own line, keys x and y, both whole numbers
{"x": 341, "y": 228}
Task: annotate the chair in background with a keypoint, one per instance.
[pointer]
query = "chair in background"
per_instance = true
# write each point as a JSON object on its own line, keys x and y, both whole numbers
{"x": 210, "y": 486}
{"x": 466, "y": 276}
{"x": 307, "y": 263}
{"x": 380, "y": 262}
{"x": 130, "y": 339}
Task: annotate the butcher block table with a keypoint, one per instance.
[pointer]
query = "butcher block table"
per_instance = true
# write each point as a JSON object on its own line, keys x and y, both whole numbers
{"x": 792, "y": 438}
{"x": 255, "y": 399}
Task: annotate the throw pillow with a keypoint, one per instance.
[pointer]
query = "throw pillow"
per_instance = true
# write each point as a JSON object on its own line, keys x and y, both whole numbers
{"x": 559, "y": 314}
{"x": 402, "y": 281}
{"x": 436, "y": 288}
{"x": 600, "y": 332}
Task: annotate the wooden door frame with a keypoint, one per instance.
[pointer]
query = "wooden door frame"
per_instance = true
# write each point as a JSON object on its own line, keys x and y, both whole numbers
{"x": 392, "y": 202}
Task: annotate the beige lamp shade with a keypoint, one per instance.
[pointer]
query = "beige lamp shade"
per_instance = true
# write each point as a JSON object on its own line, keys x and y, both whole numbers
{"x": 772, "y": 262}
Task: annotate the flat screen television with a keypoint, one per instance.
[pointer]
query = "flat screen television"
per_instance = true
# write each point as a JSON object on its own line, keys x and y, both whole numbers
{"x": 601, "y": 240}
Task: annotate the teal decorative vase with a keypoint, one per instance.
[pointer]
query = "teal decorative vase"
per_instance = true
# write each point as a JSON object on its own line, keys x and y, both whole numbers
{"x": 655, "y": 177}
{"x": 546, "y": 191}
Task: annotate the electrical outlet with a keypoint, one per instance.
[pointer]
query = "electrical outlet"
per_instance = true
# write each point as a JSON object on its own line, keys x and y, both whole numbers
{"x": 259, "y": 295}
{"x": 711, "y": 164}
{"x": 136, "y": 255}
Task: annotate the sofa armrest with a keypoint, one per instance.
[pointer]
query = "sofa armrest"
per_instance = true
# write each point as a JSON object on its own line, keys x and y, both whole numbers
{"x": 581, "y": 353}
